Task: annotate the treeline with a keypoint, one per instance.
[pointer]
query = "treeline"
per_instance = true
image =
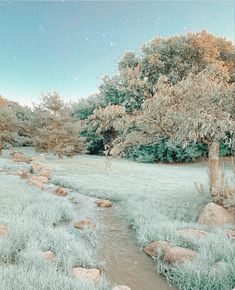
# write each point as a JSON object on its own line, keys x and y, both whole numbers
{"x": 169, "y": 104}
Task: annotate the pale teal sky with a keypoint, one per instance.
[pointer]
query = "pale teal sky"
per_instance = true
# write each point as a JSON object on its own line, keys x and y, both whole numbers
{"x": 68, "y": 46}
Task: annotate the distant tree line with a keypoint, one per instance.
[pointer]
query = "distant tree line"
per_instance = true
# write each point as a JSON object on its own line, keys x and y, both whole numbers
{"x": 175, "y": 102}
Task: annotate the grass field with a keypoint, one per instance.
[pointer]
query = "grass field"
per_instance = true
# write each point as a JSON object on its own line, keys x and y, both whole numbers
{"x": 157, "y": 200}
{"x": 32, "y": 216}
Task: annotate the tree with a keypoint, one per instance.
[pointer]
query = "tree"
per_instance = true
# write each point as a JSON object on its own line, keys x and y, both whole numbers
{"x": 14, "y": 123}
{"x": 178, "y": 56}
{"x": 201, "y": 107}
{"x": 55, "y": 129}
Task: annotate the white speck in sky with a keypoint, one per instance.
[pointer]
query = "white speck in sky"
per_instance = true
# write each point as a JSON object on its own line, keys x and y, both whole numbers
{"x": 40, "y": 27}
{"x": 75, "y": 79}
{"x": 111, "y": 44}
{"x": 103, "y": 34}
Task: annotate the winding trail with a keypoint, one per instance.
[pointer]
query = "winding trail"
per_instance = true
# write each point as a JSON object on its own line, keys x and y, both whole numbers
{"x": 125, "y": 263}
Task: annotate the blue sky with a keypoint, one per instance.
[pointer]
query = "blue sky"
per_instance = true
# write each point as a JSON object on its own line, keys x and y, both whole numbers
{"x": 68, "y": 46}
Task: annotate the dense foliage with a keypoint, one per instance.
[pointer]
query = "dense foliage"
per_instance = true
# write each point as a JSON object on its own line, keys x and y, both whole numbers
{"x": 167, "y": 104}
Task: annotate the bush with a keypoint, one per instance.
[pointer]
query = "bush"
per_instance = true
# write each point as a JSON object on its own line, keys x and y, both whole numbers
{"x": 167, "y": 152}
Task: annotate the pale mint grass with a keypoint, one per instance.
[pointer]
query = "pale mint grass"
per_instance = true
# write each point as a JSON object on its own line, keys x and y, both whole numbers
{"x": 32, "y": 216}
{"x": 158, "y": 200}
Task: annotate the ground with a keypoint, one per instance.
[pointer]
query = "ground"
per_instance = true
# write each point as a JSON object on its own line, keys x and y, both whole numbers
{"x": 155, "y": 199}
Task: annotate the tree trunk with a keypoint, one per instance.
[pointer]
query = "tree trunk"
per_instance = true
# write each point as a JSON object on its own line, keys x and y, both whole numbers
{"x": 214, "y": 167}
{"x": 1, "y": 141}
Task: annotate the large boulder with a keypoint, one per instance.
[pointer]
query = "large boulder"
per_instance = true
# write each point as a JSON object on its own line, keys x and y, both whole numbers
{"x": 191, "y": 233}
{"x": 89, "y": 275}
{"x": 121, "y": 287}
{"x": 103, "y": 203}
{"x": 215, "y": 215}
{"x": 178, "y": 255}
{"x": 83, "y": 223}
{"x": 20, "y": 157}
{"x": 61, "y": 191}
{"x": 3, "y": 230}
{"x": 157, "y": 247}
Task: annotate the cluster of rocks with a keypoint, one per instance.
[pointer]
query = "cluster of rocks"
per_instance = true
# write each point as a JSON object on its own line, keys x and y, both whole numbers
{"x": 40, "y": 175}
{"x": 103, "y": 203}
{"x": 171, "y": 254}
{"x": 91, "y": 275}
{"x": 212, "y": 215}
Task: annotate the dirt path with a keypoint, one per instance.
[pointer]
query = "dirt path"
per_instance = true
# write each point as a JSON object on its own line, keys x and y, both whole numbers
{"x": 117, "y": 248}
{"x": 125, "y": 263}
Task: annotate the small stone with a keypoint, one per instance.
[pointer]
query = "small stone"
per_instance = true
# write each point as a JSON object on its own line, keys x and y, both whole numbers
{"x": 48, "y": 255}
{"x": 156, "y": 247}
{"x": 230, "y": 234}
{"x": 41, "y": 169}
{"x": 61, "y": 191}
{"x": 121, "y": 287}
{"x": 36, "y": 158}
{"x": 24, "y": 174}
{"x": 215, "y": 215}
{"x": 84, "y": 223}
{"x": 39, "y": 181}
{"x": 3, "y": 230}
{"x": 89, "y": 275}
{"x": 178, "y": 255}
{"x": 73, "y": 200}
{"x": 103, "y": 203}
{"x": 3, "y": 263}
{"x": 190, "y": 233}
{"x": 20, "y": 157}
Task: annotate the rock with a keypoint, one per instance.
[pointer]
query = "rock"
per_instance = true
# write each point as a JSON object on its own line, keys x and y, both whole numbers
{"x": 46, "y": 173}
{"x": 103, "y": 203}
{"x": 36, "y": 158}
{"x": 3, "y": 263}
{"x": 84, "y": 223}
{"x": 3, "y": 230}
{"x": 73, "y": 200}
{"x": 20, "y": 157}
{"x": 90, "y": 275}
{"x": 231, "y": 209}
{"x": 24, "y": 174}
{"x": 178, "y": 255}
{"x": 230, "y": 234}
{"x": 40, "y": 169}
{"x": 190, "y": 233}
{"x": 156, "y": 247}
{"x": 215, "y": 215}
{"x": 121, "y": 287}
{"x": 61, "y": 191}
{"x": 39, "y": 181}
{"x": 48, "y": 255}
